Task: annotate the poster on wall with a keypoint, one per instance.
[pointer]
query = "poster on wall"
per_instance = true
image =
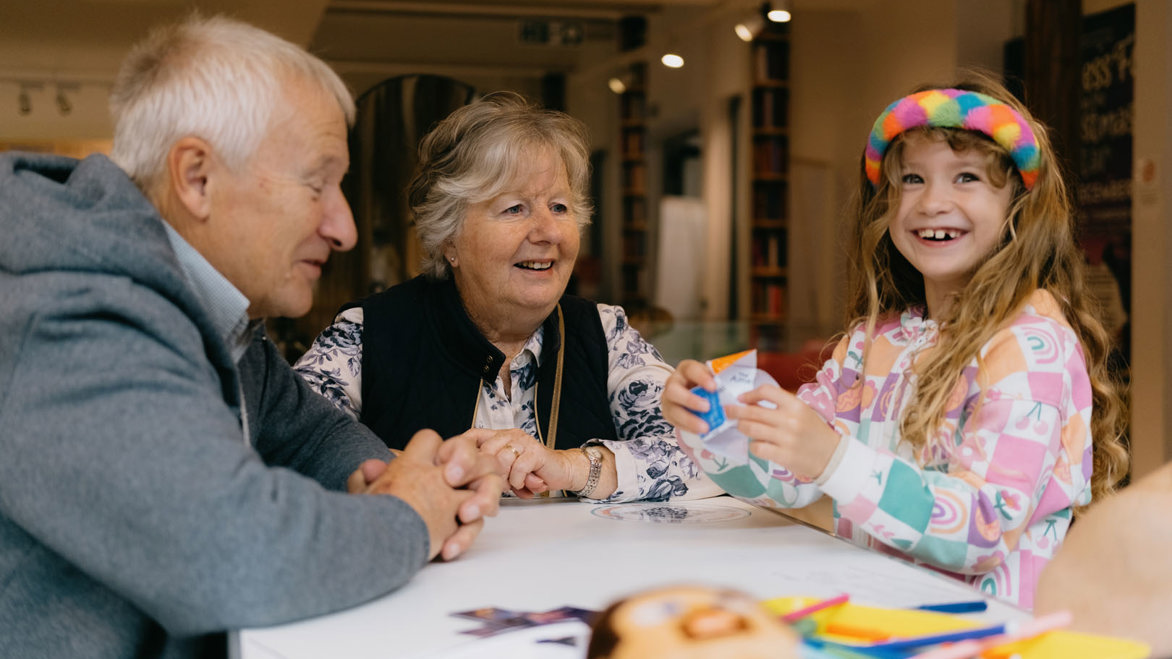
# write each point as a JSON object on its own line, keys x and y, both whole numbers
{"x": 1105, "y": 163}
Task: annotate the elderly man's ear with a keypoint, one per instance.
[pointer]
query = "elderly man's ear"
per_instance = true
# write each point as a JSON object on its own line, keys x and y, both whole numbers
{"x": 189, "y": 168}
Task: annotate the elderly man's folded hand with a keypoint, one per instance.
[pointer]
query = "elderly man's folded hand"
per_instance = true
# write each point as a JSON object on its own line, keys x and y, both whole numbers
{"x": 450, "y": 484}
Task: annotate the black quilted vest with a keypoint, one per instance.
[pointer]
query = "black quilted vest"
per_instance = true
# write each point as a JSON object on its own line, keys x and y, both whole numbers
{"x": 423, "y": 360}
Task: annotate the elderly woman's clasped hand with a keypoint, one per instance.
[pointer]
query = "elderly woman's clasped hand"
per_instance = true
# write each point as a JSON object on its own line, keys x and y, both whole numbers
{"x": 528, "y": 466}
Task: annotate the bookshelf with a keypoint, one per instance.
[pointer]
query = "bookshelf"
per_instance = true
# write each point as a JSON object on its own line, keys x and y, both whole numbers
{"x": 635, "y": 219}
{"x": 769, "y": 220}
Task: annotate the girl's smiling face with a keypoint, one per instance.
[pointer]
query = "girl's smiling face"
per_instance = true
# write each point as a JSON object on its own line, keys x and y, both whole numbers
{"x": 951, "y": 216}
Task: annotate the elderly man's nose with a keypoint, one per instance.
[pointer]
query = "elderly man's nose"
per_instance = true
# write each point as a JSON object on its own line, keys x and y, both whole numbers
{"x": 338, "y": 224}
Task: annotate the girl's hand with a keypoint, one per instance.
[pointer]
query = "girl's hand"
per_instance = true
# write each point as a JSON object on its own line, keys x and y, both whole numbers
{"x": 678, "y": 401}
{"x": 792, "y": 435}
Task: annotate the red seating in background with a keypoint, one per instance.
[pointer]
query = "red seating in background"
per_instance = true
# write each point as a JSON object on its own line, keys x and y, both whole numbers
{"x": 793, "y": 369}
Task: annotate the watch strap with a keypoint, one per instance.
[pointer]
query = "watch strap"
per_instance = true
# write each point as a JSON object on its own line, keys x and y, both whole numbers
{"x": 595, "y": 457}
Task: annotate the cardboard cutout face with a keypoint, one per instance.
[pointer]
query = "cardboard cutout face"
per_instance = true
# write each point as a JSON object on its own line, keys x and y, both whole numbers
{"x": 690, "y": 622}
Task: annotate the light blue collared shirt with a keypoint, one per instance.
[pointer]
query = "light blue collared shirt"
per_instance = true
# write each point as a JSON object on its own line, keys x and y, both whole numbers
{"x": 226, "y": 305}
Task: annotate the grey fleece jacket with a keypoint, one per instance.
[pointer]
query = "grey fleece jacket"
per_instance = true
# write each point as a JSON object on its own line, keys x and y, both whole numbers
{"x": 134, "y": 521}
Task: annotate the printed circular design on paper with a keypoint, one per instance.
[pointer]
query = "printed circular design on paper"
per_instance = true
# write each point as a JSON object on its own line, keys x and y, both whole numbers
{"x": 670, "y": 513}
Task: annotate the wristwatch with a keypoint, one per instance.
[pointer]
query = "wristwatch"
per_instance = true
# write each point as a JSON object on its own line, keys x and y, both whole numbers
{"x": 594, "y": 454}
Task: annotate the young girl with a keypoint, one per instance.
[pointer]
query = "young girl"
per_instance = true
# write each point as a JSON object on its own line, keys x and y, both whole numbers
{"x": 969, "y": 408}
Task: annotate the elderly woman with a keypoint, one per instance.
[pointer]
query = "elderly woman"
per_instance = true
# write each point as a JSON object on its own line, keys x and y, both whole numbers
{"x": 566, "y": 392}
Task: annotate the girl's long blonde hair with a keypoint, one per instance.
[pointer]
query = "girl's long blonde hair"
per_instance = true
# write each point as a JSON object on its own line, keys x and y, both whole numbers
{"x": 1038, "y": 251}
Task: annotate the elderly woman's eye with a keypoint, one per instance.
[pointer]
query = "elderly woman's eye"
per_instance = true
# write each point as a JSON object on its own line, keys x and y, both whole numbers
{"x": 515, "y": 209}
{"x": 561, "y": 209}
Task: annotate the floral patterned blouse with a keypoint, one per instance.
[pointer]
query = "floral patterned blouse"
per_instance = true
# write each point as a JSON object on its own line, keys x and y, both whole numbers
{"x": 649, "y": 462}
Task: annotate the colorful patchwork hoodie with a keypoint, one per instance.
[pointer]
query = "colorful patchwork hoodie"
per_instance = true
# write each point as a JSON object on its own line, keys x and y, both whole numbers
{"x": 993, "y": 508}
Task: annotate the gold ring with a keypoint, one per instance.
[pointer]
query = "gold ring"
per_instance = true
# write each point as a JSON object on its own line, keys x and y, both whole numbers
{"x": 516, "y": 453}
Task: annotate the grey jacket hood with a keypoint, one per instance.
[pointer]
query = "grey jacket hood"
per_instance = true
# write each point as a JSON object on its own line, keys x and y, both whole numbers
{"x": 60, "y": 214}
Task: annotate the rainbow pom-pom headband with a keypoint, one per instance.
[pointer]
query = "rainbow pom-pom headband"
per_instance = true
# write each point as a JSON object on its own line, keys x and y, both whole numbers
{"x": 956, "y": 108}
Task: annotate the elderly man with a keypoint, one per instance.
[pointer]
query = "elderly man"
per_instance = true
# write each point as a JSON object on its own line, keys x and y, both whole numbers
{"x": 165, "y": 475}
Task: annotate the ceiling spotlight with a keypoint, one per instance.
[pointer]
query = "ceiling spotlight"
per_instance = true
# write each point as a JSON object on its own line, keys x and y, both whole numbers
{"x": 621, "y": 82}
{"x": 749, "y": 28}
{"x": 672, "y": 60}
{"x": 779, "y": 16}
{"x": 778, "y": 12}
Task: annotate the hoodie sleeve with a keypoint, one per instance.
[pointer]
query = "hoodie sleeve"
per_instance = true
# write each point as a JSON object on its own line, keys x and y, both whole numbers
{"x": 121, "y": 455}
{"x": 293, "y": 426}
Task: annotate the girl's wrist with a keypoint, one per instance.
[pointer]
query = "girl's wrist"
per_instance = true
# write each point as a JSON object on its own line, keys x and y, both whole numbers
{"x": 833, "y": 460}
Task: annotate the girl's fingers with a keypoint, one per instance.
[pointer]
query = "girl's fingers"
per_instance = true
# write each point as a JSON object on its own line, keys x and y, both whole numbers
{"x": 752, "y": 412}
{"x": 685, "y": 420}
{"x": 767, "y": 392}
{"x": 685, "y": 398}
{"x": 696, "y": 374}
{"x": 769, "y": 451}
{"x": 691, "y": 373}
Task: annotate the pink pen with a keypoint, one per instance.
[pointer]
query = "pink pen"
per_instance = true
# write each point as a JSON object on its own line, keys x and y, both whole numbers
{"x": 795, "y": 616}
{"x": 1016, "y": 631}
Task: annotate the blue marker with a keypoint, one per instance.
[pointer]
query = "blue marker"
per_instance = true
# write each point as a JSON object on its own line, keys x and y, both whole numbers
{"x": 975, "y": 606}
{"x": 936, "y": 639}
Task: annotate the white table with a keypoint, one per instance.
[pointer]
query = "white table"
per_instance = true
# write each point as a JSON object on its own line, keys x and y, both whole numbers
{"x": 537, "y": 556}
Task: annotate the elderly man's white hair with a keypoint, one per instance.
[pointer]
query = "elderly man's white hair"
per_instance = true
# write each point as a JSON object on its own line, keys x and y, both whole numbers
{"x": 214, "y": 78}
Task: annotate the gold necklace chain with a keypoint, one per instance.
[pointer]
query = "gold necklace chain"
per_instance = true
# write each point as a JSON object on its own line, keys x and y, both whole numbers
{"x": 555, "y": 406}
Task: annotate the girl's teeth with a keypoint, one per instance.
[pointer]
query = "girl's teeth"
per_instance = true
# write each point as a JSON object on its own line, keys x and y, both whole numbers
{"x": 937, "y": 234}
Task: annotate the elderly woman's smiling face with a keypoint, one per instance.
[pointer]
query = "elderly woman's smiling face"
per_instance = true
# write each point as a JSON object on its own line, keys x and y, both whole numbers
{"x": 514, "y": 253}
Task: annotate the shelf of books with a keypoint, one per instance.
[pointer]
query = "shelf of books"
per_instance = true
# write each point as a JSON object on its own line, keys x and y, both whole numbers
{"x": 635, "y": 234}
{"x": 769, "y": 104}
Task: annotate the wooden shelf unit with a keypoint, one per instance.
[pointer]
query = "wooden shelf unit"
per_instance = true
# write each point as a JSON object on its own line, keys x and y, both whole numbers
{"x": 636, "y": 247}
{"x": 769, "y": 217}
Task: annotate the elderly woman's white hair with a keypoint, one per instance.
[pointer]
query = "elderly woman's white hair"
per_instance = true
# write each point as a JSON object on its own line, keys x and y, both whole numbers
{"x": 476, "y": 152}
{"x": 185, "y": 80}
